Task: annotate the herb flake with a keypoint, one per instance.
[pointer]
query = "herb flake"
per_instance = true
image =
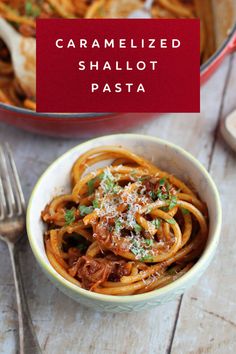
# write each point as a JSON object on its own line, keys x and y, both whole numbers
{"x": 149, "y": 242}
{"x": 69, "y": 216}
{"x": 31, "y": 10}
{"x": 85, "y": 210}
{"x": 118, "y": 225}
{"x": 173, "y": 202}
{"x": 171, "y": 221}
{"x": 137, "y": 228}
{"x": 90, "y": 185}
{"x": 156, "y": 223}
{"x": 184, "y": 211}
{"x": 162, "y": 181}
{"x": 95, "y": 204}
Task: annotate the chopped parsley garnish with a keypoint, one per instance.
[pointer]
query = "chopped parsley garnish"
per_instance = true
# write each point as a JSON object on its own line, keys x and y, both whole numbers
{"x": 184, "y": 211}
{"x": 85, "y": 210}
{"x": 140, "y": 249}
{"x": 165, "y": 195}
{"x": 109, "y": 183}
{"x": 153, "y": 195}
{"x": 173, "y": 202}
{"x": 118, "y": 225}
{"x": 162, "y": 196}
{"x": 156, "y": 223}
{"x": 146, "y": 258}
{"x": 171, "y": 221}
{"x": 137, "y": 228}
{"x": 165, "y": 208}
{"x": 162, "y": 181}
{"x": 28, "y": 8}
{"x": 135, "y": 243}
{"x": 31, "y": 10}
{"x": 135, "y": 251}
{"x": 69, "y": 216}
{"x": 90, "y": 185}
{"x": 100, "y": 176}
{"x": 116, "y": 188}
{"x": 95, "y": 204}
{"x": 143, "y": 178}
{"x": 149, "y": 242}
{"x": 149, "y": 209}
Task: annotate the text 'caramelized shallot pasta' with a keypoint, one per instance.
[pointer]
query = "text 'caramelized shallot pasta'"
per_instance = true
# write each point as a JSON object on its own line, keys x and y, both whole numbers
{"x": 127, "y": 228}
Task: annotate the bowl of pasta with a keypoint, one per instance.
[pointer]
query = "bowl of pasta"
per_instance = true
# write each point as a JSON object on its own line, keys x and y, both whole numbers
{"x": 218, "y": 38}
{"x": 124, "y": 222}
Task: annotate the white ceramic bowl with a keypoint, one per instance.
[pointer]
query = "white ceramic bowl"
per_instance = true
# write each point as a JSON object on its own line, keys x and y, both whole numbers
{"x": 168, "y": 157}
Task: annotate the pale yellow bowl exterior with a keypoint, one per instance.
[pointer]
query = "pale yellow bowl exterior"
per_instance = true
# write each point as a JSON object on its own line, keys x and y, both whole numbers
{"x": 167, "y": 156}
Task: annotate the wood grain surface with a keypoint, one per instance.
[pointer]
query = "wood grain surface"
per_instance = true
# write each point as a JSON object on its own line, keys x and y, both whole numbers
{"x": 201, "y": 321}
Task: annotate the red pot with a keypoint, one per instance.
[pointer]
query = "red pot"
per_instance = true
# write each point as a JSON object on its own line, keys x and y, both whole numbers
{"x": 85, "y": 125}
{"x": 214, "y": 61}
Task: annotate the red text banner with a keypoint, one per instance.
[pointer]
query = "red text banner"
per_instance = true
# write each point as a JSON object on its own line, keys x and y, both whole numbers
{"x": 118, "y": 65}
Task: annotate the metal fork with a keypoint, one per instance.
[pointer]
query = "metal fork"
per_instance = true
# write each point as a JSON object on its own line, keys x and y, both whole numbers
{"x": 12, "y": 228}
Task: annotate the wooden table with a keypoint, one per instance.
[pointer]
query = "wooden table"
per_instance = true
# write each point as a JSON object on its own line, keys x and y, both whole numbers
{"x": 201, "y": 321}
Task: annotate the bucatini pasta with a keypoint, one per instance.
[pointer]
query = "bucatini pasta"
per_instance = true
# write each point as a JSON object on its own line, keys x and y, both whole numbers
{"x": 126, "y": 228}
{"x": 22, "y": 15}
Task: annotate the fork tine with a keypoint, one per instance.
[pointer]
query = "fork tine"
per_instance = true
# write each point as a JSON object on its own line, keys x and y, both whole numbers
{"x": 14, "y": 200}
{"x": 3, "y": 203}
{"x": 6, "y": 182}
{"x": 19, "y": 192}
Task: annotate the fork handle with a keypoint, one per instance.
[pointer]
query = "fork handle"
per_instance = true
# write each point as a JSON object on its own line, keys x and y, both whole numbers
{"x": 28, "y": 342}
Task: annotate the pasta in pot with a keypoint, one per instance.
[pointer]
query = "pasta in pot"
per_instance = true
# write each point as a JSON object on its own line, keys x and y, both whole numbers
{"x": 126, "y": 228}
{"x": 22, "y": 15}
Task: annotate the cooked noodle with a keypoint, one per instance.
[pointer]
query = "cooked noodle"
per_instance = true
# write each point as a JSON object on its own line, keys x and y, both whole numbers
{"x": 126, "y": 228}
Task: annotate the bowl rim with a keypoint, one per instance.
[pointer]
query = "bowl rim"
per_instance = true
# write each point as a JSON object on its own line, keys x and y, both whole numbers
{"x": 203, "y": 260}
